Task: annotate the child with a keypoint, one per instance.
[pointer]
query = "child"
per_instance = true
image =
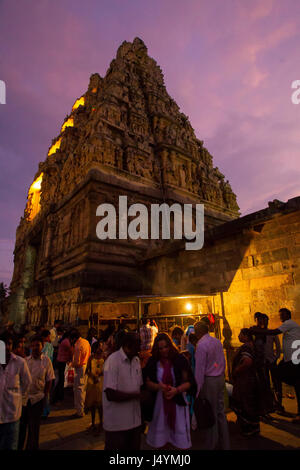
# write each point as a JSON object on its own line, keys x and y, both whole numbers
{"x": 94, "y": 371}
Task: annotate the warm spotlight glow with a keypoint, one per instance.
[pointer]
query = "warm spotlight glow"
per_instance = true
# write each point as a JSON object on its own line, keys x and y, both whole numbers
{"x": 54, "y": 147}
{"x": 69, "y": 123}
{"x": 79, "y": 102}
{"x": 34, "y": 193}
{"x": 37, "y": 184}
{"x": 188, "y": 306}
{"x": 94, "y": 90}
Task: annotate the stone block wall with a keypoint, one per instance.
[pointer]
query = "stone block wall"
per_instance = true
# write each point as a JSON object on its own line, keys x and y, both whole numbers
{"x": 250, "y": 265}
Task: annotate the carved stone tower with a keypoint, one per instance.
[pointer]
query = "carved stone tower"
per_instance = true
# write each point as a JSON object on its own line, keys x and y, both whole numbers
{"x": 124, "y": 136}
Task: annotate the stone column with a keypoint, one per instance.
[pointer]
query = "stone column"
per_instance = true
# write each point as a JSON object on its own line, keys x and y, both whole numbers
{"x": 93, "y": 199}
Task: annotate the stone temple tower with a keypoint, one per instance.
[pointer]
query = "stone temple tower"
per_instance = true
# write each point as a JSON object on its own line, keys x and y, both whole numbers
{"x": 124, "y": 136}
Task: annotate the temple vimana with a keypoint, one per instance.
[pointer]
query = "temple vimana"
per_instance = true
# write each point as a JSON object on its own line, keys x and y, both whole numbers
{"x": 126, "y": 136}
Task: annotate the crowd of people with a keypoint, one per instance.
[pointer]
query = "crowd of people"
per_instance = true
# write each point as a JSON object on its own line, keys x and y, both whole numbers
{"x": 146, "y": 381}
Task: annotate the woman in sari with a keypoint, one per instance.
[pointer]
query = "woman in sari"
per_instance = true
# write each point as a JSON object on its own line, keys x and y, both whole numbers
{"x": 246, "y": 401}
{"x": 169, "y": 376}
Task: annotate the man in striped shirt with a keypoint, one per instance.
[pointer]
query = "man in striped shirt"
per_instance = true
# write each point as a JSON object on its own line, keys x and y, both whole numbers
{"x": 147, "y": 336}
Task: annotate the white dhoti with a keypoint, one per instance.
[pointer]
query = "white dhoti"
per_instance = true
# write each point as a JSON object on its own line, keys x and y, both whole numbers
{"x": 79, "y": 389}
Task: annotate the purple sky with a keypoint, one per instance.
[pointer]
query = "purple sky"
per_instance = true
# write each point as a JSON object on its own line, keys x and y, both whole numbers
{"x": 228, "y": 64}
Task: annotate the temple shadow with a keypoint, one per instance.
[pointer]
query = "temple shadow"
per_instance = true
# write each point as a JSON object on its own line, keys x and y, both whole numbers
{"x": 260, "y": 442}
{"x": 284, "y": 425}
{"x": 88, "y": 441}
{"x": 57, "y": 419}
{"x": 239, "y": 442}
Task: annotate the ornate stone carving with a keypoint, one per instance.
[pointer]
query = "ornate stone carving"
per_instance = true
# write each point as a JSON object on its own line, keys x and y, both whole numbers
{"x": 124, "y": 123}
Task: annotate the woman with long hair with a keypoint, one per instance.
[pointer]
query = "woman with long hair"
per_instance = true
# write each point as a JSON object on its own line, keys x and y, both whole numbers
{"x": 169, "y": 376}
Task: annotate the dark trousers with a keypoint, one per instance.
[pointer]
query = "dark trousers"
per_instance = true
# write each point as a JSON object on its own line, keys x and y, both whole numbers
{"x": 9, "y": 433}
{"x": 59, "y": 389}
{"x": 123, "y": 440}
{"x": 30, "y": 420}
{"x": 23, "y": 428}
{"x": 289, "y": 373}
{"x": 277, "y": 385}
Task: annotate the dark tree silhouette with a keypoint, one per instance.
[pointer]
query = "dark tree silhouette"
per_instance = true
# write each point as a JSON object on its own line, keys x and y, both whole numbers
{"x": 3, "y": 291}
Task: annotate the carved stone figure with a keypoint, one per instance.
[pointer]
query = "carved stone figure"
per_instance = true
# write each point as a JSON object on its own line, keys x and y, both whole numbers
{"x": 124, "y": 123}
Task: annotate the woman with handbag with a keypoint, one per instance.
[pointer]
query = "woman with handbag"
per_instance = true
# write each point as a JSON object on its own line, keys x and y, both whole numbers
{"x": 169, "y": 376}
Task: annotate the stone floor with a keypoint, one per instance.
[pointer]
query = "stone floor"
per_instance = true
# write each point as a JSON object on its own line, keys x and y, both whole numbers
{"x": 61, "y": 432}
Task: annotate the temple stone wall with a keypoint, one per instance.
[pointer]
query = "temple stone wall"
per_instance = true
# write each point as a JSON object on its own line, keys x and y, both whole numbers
{"x": 126, "y": 136}
{"x": 252, "y": 264}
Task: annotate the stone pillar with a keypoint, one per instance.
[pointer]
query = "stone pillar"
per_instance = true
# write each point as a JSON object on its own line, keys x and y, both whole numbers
{"x": 49, "y": 236}
{"x": 189, "y": 171}
{"x": 164, "y": 159}
{"x": 90, "y": 213}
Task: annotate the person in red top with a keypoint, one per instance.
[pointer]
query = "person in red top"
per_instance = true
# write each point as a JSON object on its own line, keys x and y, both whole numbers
{"x": 82, "y": 352}
{"x": 64, "y": 356}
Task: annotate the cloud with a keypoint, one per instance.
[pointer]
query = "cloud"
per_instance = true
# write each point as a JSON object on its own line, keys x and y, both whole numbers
{"x": 261, "y": 9}
{"x": 229, "y": 65}
{"x": 6, "y": 257}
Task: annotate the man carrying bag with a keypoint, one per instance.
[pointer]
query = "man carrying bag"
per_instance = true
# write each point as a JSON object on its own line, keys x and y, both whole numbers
{"x": 209, "y": 404}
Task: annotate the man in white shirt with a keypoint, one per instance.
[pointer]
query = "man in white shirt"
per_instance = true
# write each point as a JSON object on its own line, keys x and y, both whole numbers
{"x": 54, "y": 333}
{"x": 121, "y": 397}
{"x": 209, "y": 375}
{"x": 42, "y": 374}
{"x": 287, "y": 371}
{"x": 15, "y": 380}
